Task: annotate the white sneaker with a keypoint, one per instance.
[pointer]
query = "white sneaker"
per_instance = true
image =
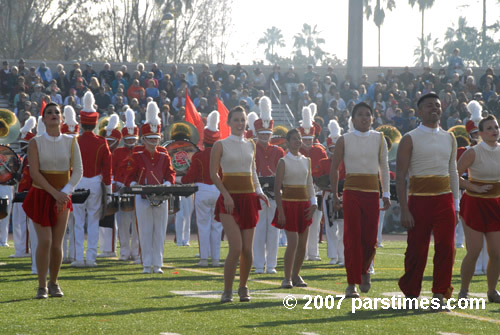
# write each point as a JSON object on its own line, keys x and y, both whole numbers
{"x": 146, "y": 269}
{"x": 380, "y": 245}
{"x": 459, "y": 246}
{"x": 157, "y": 269}
{"x": 478, "y": 272}
{"x": 90, "y": 264}
{"x": 137, "y": 261}
{"x": 78, "y": 264}
{"x": 21, "y": 255}
{"x": 271, "y": 271}
{"x": 203, "y": 262}
{"x": 259, "y": 270}
{"x": 333, "y": 261}
{"x": 341, "y": 263}
{"x": 106, "y": 254}
{"x": 315, "y": 258}
{"x": 124, "y": 258}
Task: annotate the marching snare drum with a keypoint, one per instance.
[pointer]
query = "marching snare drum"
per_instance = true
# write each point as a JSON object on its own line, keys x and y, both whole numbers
{"x": 4, "y": 206}
{"x": 127, "y": 203}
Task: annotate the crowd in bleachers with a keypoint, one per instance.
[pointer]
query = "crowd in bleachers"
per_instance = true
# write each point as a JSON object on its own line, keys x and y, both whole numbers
{"x": 392, "y": 95}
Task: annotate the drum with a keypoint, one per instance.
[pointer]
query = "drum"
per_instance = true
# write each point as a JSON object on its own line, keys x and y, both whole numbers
{"x": 4, "y": 206}
{"x": 181, "y": 153}
{"x": 127, "y": 203}
{"x": 174, "y": 204}
{"x": 10, "y": 165}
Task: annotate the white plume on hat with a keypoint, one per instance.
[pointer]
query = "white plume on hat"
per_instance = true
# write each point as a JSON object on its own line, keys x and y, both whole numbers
{"x": 307, "y": 120}
{"x": 130, "y": 121}
{"x": 40, "y": 128}
{"x": 314, "y": 109}
{"x": 112, "y": 124}
{"x": 88, "y": 102}
{"x": 475, "y": 109}
{"x": 213, "y": 121}
{"x": 334, "y": 128}
{"x": 28, "y": 126}
{"x": 152, "y": 117}
{"x": 252, "y": 117}
{"x": 70, "y": 118}
{"x": 265, "y": 107}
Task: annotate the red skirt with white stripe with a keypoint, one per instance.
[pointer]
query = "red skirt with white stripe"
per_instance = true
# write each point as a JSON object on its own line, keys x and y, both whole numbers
{"x": 295, "y": 216}
{"x": 481, "y": 214}
{"x": 245, "y": 212}
{"x": 41, "y": 207}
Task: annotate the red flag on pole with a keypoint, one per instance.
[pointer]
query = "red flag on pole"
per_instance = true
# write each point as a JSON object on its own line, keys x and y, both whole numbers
{"x": 223, "y": 126}
{"x": 193, "y": 117}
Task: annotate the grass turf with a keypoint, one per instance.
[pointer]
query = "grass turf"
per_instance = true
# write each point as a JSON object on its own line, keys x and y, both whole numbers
{"x": 116, "y": 298}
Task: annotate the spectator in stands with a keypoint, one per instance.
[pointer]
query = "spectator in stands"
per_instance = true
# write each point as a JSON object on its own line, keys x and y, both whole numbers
{"x": 331, "y": 74}
{"x": 259, "y": 79}
{"x": 119, "y": 102}
{"x": 78, "y": 76}
{"x": 38, "y": 94}
{"x": 291, "y": 81}
{"x": 237, "y": 70}
{"x": 398, "y": 120}
{"x": 309, "y": 75}
{"x": 221, "y": 74}
{"x": 157, "y": 73}
{"x": 428, "y": 75}
{"x": 277, "y": 76}
{"x": 470, "y": 87}
{"x": 406, "y": 77}
{"x": 204, "y": 109}
{"x": 391, "y": 111}
{"x": 245, "y": 96}
{"x": 126, "y": 75}
{"x": 119, "y": 80}
{"x": 119, "y": 94}
{"x": 134, "y": 89}
{"x": 106, "y": 76}
{"x": 80, "y": 87}
{"x": 493, "y": 105}
{"x": 45, "y": 73}
{"x": 191, "y": 77}
{"x": 230, "y": 84}
{"x": 89, "y": 72}
{"x": 94, "y": 85}
{"x": 456, "y": 63}
{"x": 102, "y": 100}
{"x": 345, "y": 91}
{"x": 151, "y": 76}
{"x": 167, "y": 86}
{"x": 22, "y": 104}
{"x": 19, "y": 87}
{"x": 144, "y": 74}
{"x": 76, "y": 66}
{"x": 4, "y": 79}
{"x": 453, "y": 119}
{"x": 72, "y": 99}
{"x": 23, "y": 71}
{"x": 175, "y": 77}
{"x": 55, "y": 96}
{"x": 152, "y": 91}
{"x": 178, "y": 102}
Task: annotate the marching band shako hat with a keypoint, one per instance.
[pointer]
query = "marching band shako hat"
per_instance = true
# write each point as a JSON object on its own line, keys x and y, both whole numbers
{"x": 130, "y": 130}
{"x": 334, "y": 135}
{"x": 88, "y": 115}
{"x": 211, "y": 132}
{"x": 265, "y": 123}
{"x": 26, "y": 130}
{"x": 112, "y": 133}
{"x": 307, "y": 128}
{"x": 152, "y": 125}
{"x": 70, "y": 125}
{"x": 470, "y": 126}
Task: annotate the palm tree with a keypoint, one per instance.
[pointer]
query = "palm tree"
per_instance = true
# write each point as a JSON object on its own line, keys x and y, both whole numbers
{"x": 422, "y": 6}
{"x": 428, "y": 52}
{"x": 272, "y": 38}
{"x": 378, "y": 16}
{"x": 309, "y": 38}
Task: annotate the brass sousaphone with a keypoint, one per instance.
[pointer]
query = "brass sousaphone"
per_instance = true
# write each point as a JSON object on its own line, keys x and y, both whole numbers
{"x": 181, "y": 139}
{"x": 279, "y": 136}
{"x": 10, "y": 164}
{"x": 103, "y": 122}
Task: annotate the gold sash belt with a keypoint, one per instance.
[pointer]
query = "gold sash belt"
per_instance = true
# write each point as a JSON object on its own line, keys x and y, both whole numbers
{"x": 238, "y": 183}
{"x": 361, "y": 182}
{"x": 58, "y": 179}
{"x": 429, "y": 185}
{"x": 295, "y": 193}
{"x": 493, "y": 193}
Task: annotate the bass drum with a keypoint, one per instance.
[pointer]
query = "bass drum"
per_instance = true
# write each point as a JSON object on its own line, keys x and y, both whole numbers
{"x": 10, "y": 165}
{"x": 181, "y": 153}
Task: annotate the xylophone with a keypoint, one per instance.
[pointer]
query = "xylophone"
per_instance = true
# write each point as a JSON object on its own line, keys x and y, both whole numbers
{"x": 156, "y": 194}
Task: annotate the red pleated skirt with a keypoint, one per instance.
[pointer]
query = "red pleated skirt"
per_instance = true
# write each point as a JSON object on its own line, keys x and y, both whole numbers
{"x": 246, "y": 209}
{"x": 481, "y": 214}
{"x": 295, "y": 216}
{"x": 41, "y": 207}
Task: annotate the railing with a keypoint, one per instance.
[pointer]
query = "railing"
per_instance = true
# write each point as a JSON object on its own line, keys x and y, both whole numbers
{"x": 275, "y": 95}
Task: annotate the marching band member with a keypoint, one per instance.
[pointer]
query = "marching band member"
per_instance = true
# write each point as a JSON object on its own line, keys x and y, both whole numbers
{"x": 209, "y": 230}
{"x": 107, "y": 225}
{"x": 238, "y": 204}
{"x": 127, "y": 222}
{"x": 296, "y": 205}
{"x": 428, "y": 154}
{"x": 267, "y": 156}
{"x": 480, "y": 206}
{"x": 69, "y": 127}
{"x": 19, "y": 219}
{"x": 315, "y": 152}
{"x": 364, "y": 152}
{"x": 151, "y": 167}
{"x": 96, "y": 159}
{"x": 334, "y": 227}
{"x": 56, "y": 168}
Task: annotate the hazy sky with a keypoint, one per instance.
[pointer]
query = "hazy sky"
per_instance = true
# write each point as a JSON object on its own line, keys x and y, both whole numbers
{"x": 400, "y": 31}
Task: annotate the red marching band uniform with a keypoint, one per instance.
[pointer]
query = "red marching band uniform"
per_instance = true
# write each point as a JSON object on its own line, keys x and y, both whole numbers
{"x": 146, "y": 168}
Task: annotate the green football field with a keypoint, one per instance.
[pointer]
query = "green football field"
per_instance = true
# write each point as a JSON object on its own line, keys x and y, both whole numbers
{"x": 116, "y": 298}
